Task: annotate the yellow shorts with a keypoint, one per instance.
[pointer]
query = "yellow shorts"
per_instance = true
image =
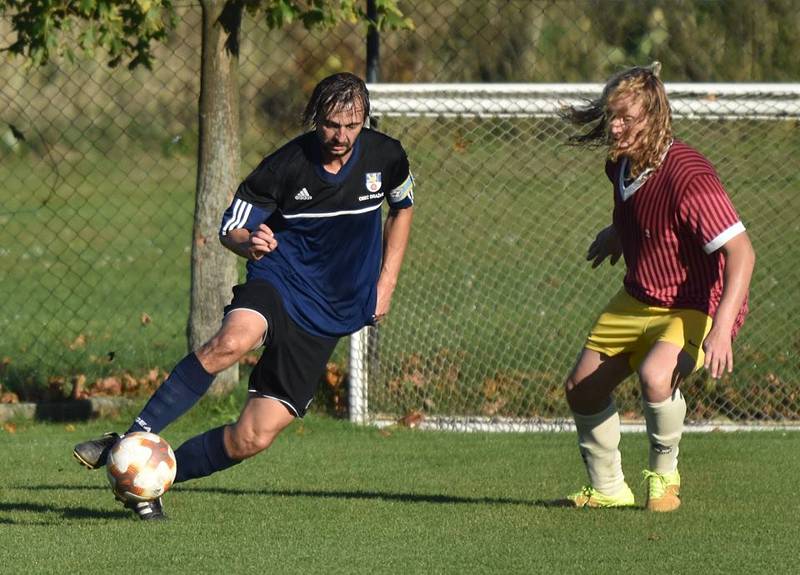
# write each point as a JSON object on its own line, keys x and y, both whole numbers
{"x": 628, "y": 325}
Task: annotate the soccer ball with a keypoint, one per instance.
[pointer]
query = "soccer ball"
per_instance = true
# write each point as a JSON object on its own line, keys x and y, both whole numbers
{"x": 141, "y": 467}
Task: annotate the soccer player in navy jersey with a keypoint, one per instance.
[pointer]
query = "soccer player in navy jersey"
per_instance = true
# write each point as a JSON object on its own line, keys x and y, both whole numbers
{"x": 689, "y": 262}
{"x": 320, "y": 266}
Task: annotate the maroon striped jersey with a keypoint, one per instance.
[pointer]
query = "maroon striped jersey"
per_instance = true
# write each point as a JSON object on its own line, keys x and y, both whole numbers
{"x": 671, "y": 224}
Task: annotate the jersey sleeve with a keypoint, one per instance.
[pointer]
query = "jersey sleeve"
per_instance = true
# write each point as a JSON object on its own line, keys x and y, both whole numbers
{"x": 254, "y": 201}
{"x": 401, "y": 191}
{"x": 706, "y": 210}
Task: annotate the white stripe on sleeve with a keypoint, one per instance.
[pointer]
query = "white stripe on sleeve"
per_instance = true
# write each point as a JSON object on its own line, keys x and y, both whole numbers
{"x": 723, "y": 238}
{"x": 239, "y": 213}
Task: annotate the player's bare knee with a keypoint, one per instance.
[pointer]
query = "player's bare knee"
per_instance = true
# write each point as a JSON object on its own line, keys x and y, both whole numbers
{"x": 222, "y": 351}
{"x": 656, "y": 383}
{"x": 244, "y": 445}
{"x": 246, "y": 441}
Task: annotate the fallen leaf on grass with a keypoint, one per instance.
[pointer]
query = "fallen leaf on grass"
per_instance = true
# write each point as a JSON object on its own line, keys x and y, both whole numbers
{"x": 155, "y": 377}
{"x": 334, "y": 375}
{"x": 108, "y": 386}
{"x": 461, "y": 144}
{"x": 78, "y": 342}
{"x": 10, "y": 427}
{"x": 411, "y": 420}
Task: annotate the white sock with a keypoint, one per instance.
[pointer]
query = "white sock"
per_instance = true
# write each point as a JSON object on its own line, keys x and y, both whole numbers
{"x": 664, "y": 429}
{"x": 598, "y": 440}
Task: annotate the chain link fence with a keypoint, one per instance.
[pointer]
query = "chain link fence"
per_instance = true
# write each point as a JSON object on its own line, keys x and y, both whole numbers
{"x": 497, "y": 297}
{"x": 99, "y": 167}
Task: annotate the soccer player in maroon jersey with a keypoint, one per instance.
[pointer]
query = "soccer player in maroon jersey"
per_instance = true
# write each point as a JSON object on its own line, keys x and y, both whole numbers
{"x": 689, "y": 263}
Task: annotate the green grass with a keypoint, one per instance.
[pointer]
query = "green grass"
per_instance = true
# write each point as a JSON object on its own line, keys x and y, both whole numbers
{"x": 329, "y": 497}
{"x": 94, "y": 252}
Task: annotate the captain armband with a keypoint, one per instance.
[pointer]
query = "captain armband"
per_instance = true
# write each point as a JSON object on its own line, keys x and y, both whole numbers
{"x": 403, "y": 195}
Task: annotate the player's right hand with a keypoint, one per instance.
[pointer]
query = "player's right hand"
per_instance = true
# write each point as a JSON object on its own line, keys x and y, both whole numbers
{"x": 605, "y": 245}
{"x": 262, "y": 242}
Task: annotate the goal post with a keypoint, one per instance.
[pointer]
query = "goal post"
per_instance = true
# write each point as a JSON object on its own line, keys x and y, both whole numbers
{"x": 495, "y": 297}
{"x": 732, "y": 101}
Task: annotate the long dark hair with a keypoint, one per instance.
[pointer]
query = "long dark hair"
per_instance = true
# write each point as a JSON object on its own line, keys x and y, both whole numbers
{"x": 335, "y": 92}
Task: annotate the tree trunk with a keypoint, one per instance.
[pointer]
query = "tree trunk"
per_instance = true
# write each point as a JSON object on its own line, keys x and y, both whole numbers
{"x": 214, "y": 270}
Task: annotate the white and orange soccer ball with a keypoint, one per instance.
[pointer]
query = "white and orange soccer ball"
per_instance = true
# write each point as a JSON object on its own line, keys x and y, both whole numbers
{"x": 141, "y": 467}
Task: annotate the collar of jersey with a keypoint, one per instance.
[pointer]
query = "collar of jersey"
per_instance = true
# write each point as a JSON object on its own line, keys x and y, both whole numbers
{"x": 346, "y": 169}
{"x": 627, "y": 191}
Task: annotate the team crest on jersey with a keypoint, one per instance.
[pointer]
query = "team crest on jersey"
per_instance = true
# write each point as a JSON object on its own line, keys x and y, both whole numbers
{"x": 373, "y": 181}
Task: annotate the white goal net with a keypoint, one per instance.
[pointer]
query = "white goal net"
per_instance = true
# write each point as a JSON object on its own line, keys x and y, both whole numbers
{"x": 495, "y": 298}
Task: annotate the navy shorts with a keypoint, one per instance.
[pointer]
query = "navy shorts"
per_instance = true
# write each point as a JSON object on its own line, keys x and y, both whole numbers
{"x": 293, "y": 360}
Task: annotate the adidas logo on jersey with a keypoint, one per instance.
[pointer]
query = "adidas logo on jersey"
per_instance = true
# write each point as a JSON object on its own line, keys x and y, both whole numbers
{"x": 302, "y": 195}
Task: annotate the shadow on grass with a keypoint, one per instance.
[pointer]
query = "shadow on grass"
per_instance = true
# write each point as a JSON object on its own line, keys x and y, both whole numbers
{"x": 386, "y": 496}
{"x": 44, "y": 510}
{"x": 350, "y": 494}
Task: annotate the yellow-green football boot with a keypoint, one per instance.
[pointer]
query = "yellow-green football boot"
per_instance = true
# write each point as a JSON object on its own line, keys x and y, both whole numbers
{"x": 588, "y": 496}
{"x": 663, "y": 490}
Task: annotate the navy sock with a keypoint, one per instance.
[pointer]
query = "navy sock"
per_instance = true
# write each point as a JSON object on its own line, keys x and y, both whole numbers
{"x": 203, "y": 455}
{"x": 182, "y": 389}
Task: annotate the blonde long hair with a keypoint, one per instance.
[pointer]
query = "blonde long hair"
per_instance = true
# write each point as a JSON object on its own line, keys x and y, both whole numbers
{"x": 644, "y": 84}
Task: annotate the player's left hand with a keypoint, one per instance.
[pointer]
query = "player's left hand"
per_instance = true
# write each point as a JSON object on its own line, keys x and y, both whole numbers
{"x": 719, "y": 353}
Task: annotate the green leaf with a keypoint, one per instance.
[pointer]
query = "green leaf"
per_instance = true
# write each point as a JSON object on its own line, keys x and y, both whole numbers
{"x": 86, "y": 7}
{"x": 88, "y": 40}
{"x": 281, "y": 13}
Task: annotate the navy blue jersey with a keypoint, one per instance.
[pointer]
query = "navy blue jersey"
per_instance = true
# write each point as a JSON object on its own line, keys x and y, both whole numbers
{"x": 328, "y": 227}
